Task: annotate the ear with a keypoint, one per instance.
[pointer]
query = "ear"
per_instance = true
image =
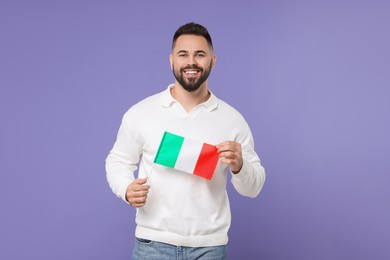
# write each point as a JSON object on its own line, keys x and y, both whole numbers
{"x": 213, "y": 61}
{"x": 170, "y": 61}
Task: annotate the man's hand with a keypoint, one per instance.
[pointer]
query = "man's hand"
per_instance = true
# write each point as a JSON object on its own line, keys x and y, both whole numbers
{"x": 137, "y": 192}
{"x": 231, "y": 154}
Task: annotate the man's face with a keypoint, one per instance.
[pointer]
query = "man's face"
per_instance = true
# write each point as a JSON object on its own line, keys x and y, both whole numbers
{"x": 191, "y": 61}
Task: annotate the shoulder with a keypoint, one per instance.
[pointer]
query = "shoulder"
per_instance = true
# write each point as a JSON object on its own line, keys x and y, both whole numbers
{"x": 144, "y": 106}
{"x": 230, "y": 118}
{"x": 229, "y": 112}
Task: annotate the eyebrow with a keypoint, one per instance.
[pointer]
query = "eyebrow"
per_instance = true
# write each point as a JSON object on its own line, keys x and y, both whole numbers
{"x": 196, "y": 52}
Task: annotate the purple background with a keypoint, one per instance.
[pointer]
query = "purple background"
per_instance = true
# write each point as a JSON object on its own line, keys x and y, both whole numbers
{"x": 311, "y": 77}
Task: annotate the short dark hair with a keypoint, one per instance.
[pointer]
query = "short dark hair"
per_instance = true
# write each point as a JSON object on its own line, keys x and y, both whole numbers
{"x": 192, "y": 29}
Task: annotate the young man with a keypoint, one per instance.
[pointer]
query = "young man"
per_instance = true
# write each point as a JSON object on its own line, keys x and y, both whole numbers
{"x": 181, "y": 215}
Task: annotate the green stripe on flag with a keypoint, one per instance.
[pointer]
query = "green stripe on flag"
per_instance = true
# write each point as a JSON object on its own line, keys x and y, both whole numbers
{"x": 169, "y": 150}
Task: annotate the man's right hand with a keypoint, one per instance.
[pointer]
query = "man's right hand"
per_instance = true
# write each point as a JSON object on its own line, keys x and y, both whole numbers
{"x": 137, "y": 192}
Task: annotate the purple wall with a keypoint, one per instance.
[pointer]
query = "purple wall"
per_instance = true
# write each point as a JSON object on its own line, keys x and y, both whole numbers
{"x": 311, "y": 77}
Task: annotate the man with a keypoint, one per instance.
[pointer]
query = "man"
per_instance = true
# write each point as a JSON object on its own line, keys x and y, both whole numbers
{"x": 180, "y": 215}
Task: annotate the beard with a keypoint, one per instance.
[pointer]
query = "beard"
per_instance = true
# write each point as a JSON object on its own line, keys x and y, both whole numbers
{"x": 192, "y": 84}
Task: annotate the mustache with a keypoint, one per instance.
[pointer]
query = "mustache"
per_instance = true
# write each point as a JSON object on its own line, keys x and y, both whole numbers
{"x": 191, "y": 67}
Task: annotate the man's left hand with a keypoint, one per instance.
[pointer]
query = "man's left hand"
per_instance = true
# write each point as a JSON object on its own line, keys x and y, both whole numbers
{"x": 230, "y": 153}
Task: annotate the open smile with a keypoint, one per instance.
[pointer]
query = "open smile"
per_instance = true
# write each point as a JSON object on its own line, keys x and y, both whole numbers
{"x": 191, "y": 72}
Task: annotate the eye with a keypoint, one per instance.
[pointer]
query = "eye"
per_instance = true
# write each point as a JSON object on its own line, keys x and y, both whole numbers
{"x": 200, "y": 55}
{"x": 182, "y": 54}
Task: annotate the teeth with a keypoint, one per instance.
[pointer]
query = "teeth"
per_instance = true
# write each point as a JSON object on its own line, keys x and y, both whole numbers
{"x": 191, "y": 72}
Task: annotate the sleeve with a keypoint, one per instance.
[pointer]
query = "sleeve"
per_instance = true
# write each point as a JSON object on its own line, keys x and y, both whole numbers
{"x": 121, "y": 162}
{"x": 250, "y": 180}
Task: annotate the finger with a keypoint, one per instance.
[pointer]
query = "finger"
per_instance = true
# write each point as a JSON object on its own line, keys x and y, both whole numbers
{"x": 141, "y": 181}
{"x": 139, "y": 199}
{"x": 224, "y": 143}
{"x": 228, "y": 154}
{"x": 225, "y": 161}
{"x": 141, "y": 187}
{"x": 222, "y": 146}
{"x": 139, "y": 194}
{"x": 138, "y": 205}
{"x": 134, "y": 201}
{"x": 228, "y": 146}
{"x": 228, "y": 161}
{"x": 138, "y": 187}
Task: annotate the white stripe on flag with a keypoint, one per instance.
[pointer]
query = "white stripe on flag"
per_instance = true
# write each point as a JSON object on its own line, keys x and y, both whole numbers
{"x": 188, "y": 156}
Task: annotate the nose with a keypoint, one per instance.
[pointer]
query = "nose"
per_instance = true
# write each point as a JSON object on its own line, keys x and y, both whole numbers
{"x": 191, "y": 60}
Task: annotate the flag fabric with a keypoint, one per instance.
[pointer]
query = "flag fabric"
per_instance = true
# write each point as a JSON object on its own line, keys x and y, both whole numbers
{"x": 187, "y": 155}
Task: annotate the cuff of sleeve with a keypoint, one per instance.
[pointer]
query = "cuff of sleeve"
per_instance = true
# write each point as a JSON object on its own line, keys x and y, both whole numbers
{"x": 122, "y": 190}
{"x": 241, "y": 175}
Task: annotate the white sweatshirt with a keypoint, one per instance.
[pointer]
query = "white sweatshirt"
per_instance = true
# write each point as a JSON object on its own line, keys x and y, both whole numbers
{"x": 182, "y": 209}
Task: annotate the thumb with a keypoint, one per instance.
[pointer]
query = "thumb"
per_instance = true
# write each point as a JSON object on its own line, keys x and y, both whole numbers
{"x": 141, "y": 181}
{"x": 144, "y": 180}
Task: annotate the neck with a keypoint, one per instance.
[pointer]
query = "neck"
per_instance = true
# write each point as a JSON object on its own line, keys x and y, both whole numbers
{"x": 189, "y": 100}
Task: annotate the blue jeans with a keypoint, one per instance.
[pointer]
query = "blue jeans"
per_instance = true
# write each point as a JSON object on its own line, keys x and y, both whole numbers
{"x": 152, "y": 250}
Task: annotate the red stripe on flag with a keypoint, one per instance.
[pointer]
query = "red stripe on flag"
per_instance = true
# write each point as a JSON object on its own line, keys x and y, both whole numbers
{"x": 207, "y": 161}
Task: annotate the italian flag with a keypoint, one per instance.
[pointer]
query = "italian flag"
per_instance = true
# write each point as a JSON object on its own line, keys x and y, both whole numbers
{"x": 187, "y": 155}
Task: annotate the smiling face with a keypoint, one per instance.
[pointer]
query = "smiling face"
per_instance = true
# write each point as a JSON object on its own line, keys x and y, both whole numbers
{"x": 191, "y": 61}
